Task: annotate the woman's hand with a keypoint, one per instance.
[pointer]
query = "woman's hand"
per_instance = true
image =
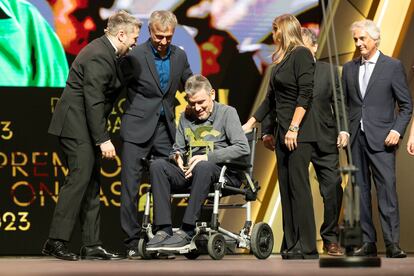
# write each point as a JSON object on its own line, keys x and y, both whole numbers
{"x": 291, "y": 140}
{"x": 248, "y": 126}
{"x": 410, "y": 145}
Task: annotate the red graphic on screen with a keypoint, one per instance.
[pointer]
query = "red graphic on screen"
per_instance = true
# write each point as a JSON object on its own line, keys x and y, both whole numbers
{"x": 73, "y": 23}
{"x": 210, "y": 51}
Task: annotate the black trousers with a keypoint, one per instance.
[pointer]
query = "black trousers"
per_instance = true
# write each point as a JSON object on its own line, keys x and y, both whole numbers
{"x": 327, "y": 170}
{"x": 380, "y": 165}
{"x": 159, "y": 145}
{"x": 79, "y": 196}
{"x": 296, "y": 198}
{"x": 166, "y": 178}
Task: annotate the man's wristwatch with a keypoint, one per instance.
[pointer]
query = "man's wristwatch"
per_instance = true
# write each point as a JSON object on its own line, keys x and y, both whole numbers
{"x": 294, "y": 128}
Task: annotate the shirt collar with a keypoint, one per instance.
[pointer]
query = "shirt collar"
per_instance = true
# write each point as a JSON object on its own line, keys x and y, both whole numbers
{"x": 155, "y": 52}
{"x": 213, "y": 113}
{"x": 113, "y": 45}
{"x": 373, "y": 59}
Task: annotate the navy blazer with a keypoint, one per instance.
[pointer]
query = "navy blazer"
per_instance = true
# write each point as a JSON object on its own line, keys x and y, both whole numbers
{"x": 387, "y": 89}
{"x": 144, "y": 94}
{"x": 324, "y": 108}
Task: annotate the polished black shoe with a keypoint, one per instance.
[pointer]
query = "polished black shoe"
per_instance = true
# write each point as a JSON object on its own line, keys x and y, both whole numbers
{"x": 394, "y": 251}
{"x": 59, "y": 250}
{"x": 368, "y": 249}
{"x": 97, "y": 252}
{"x": 283, "y": 254}
{"x": 293, "y": 254}
{"x": 296, "y": 254}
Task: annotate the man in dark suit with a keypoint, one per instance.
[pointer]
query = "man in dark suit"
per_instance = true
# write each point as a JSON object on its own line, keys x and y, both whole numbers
{"x": 325, "y": 157}
{"x": 153, "y": 71}
{"x": 374, "y": 84}
{"x": 80, "y": 122}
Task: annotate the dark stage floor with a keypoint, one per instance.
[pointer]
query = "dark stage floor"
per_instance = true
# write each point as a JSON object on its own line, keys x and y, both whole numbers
{"x": 230, "y": 265}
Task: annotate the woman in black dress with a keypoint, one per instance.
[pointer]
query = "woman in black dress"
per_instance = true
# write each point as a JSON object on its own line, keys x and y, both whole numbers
{"x": 289, "y": 97}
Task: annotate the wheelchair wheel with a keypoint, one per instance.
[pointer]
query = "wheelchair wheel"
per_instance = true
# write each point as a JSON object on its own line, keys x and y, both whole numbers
{"x": 261, "y": 242}
{"x": 142, "y": 250}
{"x": 192, "y": 255}
{"x": 216, "y": 246}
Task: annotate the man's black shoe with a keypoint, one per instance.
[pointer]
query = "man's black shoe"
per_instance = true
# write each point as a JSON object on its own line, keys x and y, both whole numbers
{"x": 296, "y": 254}
{"x": 283, "y": 254}
{"x": 59, "y": 250}
{"x": 394, "y": 251}
{"x": 368, "y": 249}
{"x": 97, "y": 252}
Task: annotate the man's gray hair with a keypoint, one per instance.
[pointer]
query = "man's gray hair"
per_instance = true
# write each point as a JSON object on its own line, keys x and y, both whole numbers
{"x": 309, "y": 34}
{"x": 370, "y": 27}
{"x": 164, "y": 19}
{"x": 122, "y": 20}
{"x": 196, "y": 83}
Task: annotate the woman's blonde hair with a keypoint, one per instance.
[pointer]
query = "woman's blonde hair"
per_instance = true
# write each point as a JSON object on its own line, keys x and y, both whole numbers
{"x": 290, "y": 35}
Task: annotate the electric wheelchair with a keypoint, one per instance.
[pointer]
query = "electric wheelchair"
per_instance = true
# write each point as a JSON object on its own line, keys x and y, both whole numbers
{"x": 209, "y": 236}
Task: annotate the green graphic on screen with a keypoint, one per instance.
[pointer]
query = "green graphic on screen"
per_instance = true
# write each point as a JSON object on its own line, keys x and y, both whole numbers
{"x": 30, "y": 51}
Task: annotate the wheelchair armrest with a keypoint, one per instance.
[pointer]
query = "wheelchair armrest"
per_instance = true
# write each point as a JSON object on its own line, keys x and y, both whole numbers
{"x": 236, "y": 165}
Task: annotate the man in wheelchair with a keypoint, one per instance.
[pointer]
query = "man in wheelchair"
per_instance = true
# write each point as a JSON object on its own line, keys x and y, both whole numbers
{"x": 209, "y": 133}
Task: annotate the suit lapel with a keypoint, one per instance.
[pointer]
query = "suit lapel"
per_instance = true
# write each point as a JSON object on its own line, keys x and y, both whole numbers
{"x": 149, "y": 56}
{"x": 108, "y": 45}
{"x": 172, "y": 62}
{"x": 379, "y": 66}
{"x": 111, "y": 52}
{"x": 355, "y": 73}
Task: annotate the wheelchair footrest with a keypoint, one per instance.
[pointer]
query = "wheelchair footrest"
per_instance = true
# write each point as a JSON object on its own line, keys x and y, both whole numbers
{"x": 180, "y": 250}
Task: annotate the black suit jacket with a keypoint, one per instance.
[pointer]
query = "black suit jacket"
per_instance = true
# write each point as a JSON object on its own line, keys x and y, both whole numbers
{"x": 386, "y": 88}
{"x": 323, "y": 108}
{"x": 91, "y": 89}
{"x": 144, "y": 94}
{"x": 290, "y": 86}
